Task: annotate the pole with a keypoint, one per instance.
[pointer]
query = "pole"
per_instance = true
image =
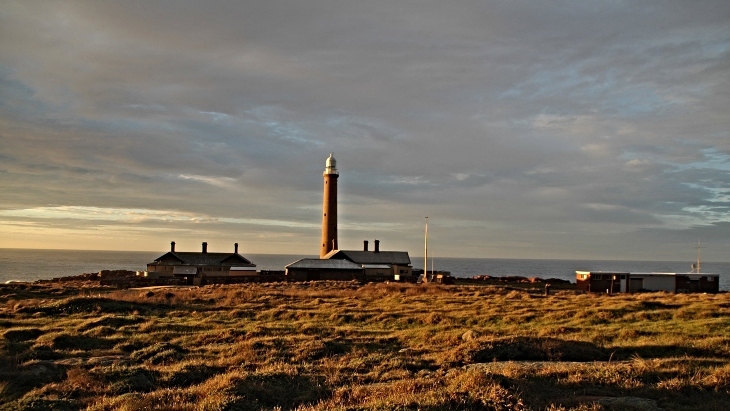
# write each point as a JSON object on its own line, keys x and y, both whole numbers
{"x": 425, "y": 257}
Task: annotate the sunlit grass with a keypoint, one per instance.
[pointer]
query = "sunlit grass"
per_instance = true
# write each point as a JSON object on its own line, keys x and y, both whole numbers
{"x": 346, "y": 346}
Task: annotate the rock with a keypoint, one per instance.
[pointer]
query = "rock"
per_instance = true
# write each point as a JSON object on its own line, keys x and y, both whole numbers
{"x": 557, "y": 281}
{"x": 105, "y": 360}
{"x": 40, "y": 371}
{"x": 70, "y": 362}
{"x": 35, "y": 370}
{"x": 470, "y": 335}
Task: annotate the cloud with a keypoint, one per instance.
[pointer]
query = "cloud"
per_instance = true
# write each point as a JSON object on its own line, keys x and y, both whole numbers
{"x": 556, "y": 127}
{"x": 136, "y": 216}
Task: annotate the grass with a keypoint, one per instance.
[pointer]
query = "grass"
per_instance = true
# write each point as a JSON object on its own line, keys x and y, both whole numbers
{"x": 345, "y": 346}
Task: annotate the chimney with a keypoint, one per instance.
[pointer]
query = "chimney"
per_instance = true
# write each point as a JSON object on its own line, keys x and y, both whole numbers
{"x": 205, "y": 247}
{"x": 377, "y": 246}
{"x": 365, "y": 245}
{"x": 172, "y": 247}
{"x": 235, "y": 248}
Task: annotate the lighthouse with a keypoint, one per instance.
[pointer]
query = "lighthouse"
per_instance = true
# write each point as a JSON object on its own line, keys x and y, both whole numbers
{"x": 329, "y": 207}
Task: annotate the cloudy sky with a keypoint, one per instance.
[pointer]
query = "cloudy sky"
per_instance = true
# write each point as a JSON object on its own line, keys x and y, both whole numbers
{"x": 527, "y": 129}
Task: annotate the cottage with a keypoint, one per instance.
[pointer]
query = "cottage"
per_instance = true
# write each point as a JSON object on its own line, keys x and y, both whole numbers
{"x": 376, "y": 263}
{"x": 195, "y": 267}
{"x": 614, "y": 282}
{"x": 310, "y": 269}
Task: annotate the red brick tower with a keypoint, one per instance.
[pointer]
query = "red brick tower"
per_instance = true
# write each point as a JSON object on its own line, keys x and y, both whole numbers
{"x": 329, "y": 207}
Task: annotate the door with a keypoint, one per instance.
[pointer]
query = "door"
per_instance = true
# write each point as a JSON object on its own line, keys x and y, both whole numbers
{"x": 636, "y": 284}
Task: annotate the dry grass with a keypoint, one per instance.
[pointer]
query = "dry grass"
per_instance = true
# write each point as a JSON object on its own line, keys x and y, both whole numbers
{"x": 344, "y": 346}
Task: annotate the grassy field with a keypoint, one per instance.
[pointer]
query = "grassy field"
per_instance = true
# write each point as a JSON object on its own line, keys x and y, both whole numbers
{"x": 346, "y": 346}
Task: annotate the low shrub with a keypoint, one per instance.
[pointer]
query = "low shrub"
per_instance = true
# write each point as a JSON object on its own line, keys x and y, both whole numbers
{"x": 71, "y": 342}
{"x": 21, "y": 379}
{"x": 158, "y": 353}
{"x": 41, "y": 404}
{"x": 532, "y": 349}
{"x": 112, "y": 321}
{"x": 125, "y": 379}
{"x": 74, "y": 305}
{"x": 22, "y": 334}
{"x": 188, "y": 374}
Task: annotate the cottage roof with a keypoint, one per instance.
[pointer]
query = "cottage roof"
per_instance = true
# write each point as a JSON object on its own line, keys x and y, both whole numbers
{"x": 371, "y": 257}
{"x": 316, "y": 263}
{"x": 375, "y": 266}
{"x": 689, "y": 275}
{"x": 206, "y": 259}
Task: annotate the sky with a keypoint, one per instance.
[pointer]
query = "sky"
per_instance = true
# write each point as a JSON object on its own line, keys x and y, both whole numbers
{"x": 569, "y": 129}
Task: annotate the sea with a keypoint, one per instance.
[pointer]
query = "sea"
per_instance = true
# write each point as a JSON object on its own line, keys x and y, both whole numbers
{"x": 31, "y": 265}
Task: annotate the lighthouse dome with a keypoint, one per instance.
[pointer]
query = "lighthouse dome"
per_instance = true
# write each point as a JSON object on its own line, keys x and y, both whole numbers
{"x": 331, "y": 165}
{"x": 331, "y": 162}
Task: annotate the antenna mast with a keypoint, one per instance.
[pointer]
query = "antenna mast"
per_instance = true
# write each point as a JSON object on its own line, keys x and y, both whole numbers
{"x": 696, "y": 267}
{"x": 699, "y": 262}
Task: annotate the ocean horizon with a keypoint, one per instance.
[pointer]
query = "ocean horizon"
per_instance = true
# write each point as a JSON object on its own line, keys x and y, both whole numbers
{"x": 35, "y": 264}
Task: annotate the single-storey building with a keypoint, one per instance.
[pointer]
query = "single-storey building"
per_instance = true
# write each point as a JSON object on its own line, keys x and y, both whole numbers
{"x": 615, "y": 282}
{"x": 311, "y": 269}
{"x": 377, "y": 264}
{"x": 602, "y": 281}
{"x": 194, "y": 267}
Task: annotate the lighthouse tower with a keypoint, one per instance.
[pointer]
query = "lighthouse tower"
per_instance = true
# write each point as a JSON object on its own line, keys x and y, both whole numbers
{"x": 329, "y": 207}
